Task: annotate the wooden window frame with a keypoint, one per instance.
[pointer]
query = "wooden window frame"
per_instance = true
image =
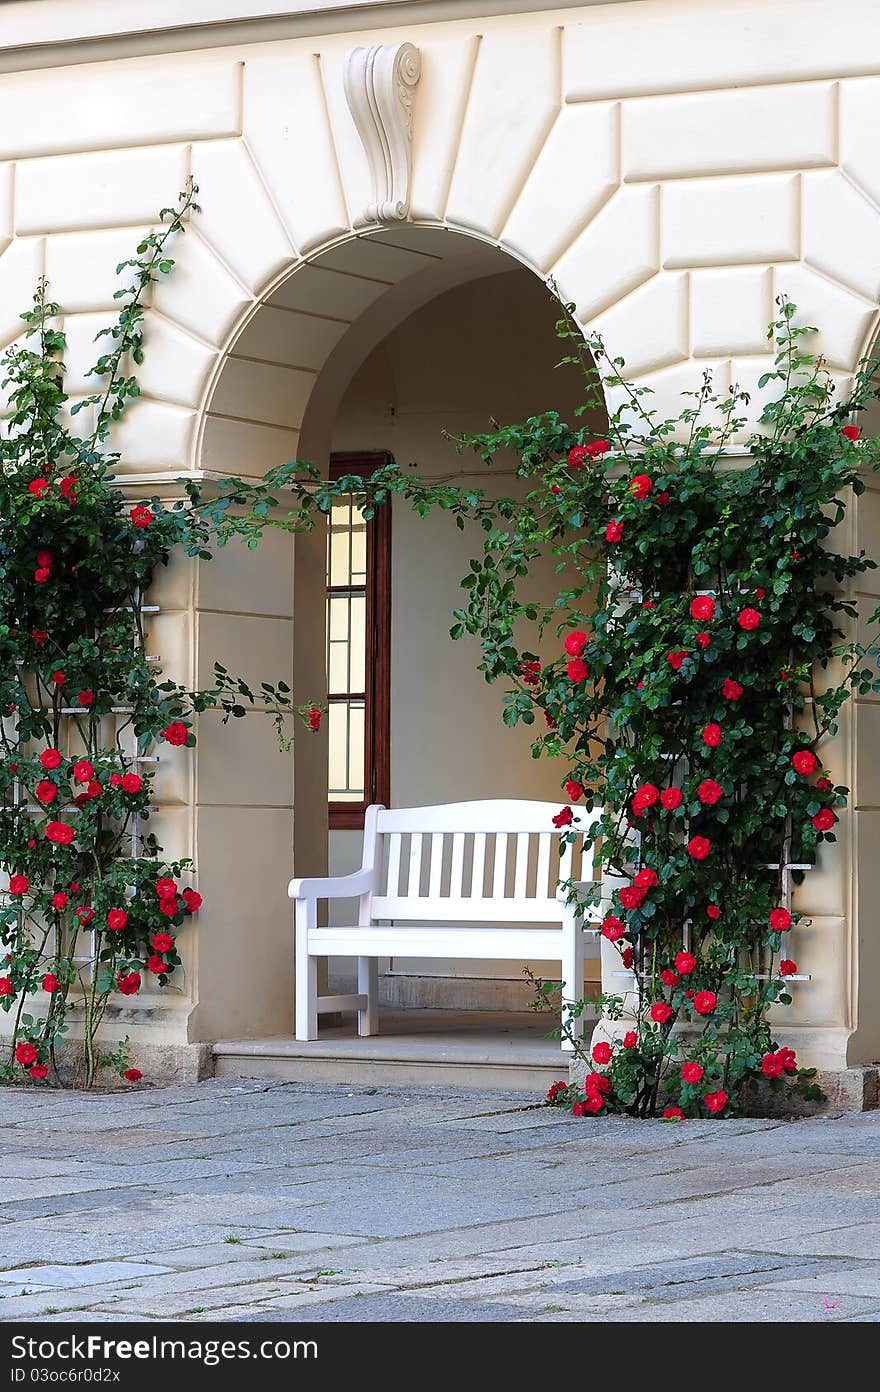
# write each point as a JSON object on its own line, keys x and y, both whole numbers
{"x": 349, "y": 816}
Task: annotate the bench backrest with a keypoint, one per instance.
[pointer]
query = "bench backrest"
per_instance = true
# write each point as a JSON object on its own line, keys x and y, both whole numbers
{"x": 493, "y": 861}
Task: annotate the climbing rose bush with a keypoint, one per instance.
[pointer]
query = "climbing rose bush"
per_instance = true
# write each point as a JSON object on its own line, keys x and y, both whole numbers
{"x": 92, "y": 909}
{"x": 705, "y": 650}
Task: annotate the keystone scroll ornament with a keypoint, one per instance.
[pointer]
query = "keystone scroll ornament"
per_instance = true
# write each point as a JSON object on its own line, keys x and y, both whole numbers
{"x": 380, "y": 88}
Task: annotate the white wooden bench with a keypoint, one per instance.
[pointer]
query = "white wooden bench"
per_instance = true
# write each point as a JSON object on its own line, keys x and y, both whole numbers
{"x": 481, "y": 880}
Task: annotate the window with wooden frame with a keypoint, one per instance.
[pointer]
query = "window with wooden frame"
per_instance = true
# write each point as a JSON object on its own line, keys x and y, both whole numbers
{"x": 358, "y": 650}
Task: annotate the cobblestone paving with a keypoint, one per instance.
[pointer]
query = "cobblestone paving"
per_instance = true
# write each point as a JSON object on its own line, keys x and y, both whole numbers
{"x": 276, "y": 1201}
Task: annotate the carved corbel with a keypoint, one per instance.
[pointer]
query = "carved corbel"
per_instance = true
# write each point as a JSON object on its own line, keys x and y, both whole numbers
{"x": 380, "y": 88}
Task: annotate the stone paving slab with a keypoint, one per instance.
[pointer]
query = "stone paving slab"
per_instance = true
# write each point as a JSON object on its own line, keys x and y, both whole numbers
{"x": 269, "y": 1202}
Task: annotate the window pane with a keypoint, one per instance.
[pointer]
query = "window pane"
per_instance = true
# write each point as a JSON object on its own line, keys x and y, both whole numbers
{"x": 346, "y": 545}
{"x": 346, "y": 732}
{"x": 346, "y": 643}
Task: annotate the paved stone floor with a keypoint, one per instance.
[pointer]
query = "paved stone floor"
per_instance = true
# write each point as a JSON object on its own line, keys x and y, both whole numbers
{"x": 275, "y": 1201}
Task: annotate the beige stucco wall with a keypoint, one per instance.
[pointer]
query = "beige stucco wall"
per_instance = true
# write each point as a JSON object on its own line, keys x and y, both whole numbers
{"x": 673, "y": 164}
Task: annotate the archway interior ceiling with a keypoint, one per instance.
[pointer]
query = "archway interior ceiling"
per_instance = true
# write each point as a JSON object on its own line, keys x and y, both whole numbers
{"x": 671, "y": 219}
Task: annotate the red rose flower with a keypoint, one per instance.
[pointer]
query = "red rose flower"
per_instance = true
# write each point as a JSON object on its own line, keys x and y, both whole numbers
{"x": 579, "y": 1109}
{"x": 25, "y": 1053}
{"x": 18, "y": 884}
{"x": 645, "y": 796}
{"x": 555, "y": 1089}
{"x": 702, "y": 608}
{"x": 85, "y": 914}
{"x": 175, "y": 733}
{"x": 673, "y": 1114}
{"x": 692, "y": 1072}
{"x": 594, "y": 1103}
{"x": 789, "y": 1059}
{"x": 712, "y": 735}
{"x": 563, "y": 818}
{"x": 156, "y": 965}
{"x": 577, "y": 456}
{"x": 39, "y": 636}
{"x": 60, "y": 833}
{"x": 705, "y": 1002}
{"x": 850, "y": 432}
{"x": 46, "y": 790}
{"x": 575, "y": 643}
{"x": 129, "y": 983}
{"x": 614, "y": 531}
{"x": 612, "y": 928}
{"x": 805, "y": 762}
{"x": 648, "y": 604}
{"x": 631, "y": 897}
{"x": 597, "y": 448}
{"x": 748, "y": 619}
{"x": 162, "y": 942}
{"x": 662, "y": 499}
{"x": 597, "y": 1082}
{"x": 529, "y": 671}
{"x": 165, "y": 888}
{"x": 646, "y": 878}
{"x": 577, "y": 670}
{"x": 575, "y": 790}
{"x": 132, "y": 783}
{"x": 771, "y": 1066}
{"x": 824, "y": 785}
{"x": 710, "y": 792}
{"x": 641, "y": 486}
{"x": 759, "y": 594}
{"x": 601, "y": 1053}
{"x": 660, "y": 1012}
{"x": 67, "y": 486}
{"x": 59, "y": 678}
{"x": 50, "y": 758}
{"x": 38, "y": 487}
{"x": 780, "y": 919}
{"x": 140, "y": 516}
{"x": 313, "y": 716}
{"x": 44, "y": 558}
{"x": 627, "y": 956}
{"x": 731, "y": 690}
{"x": 168, "y": 907}
{"x": 117, "y": 919}
{"x": 83, "y": 771}
{"x": 630, "y": 1039}
{"x": 716, "y": 1101}
{"x": 38, "y": 1072}
{"x": 668, "y": 977}
{"x": 42, "y": 574}
{"x": 704, "y": 639}
{"x": 132, "y": 1075}
{"x": 60, "y": 900}
{"x": 685, "y": 963}
{"x": 671, "y": 798}
{"x": 50, "y": 983}
{"x": 713, "y": 911}
{"x": 192, "y": 899}
{"x": 824, "y": 819}
{"x": 699, "y": 847}
{"x": 787, "y": 967}
{"x": 86, "y": 698}
{"x": 554, "y": 488}
{"x": 676, "y": 659}
{"x": 6, "y": 987}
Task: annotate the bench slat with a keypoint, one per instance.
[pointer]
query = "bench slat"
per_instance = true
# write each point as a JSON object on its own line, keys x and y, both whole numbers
{"x": 414, "y": 881}
{"x": 478, "y": 867}
{"x": 436, "y": 864}
{"x": 399, "y": 907}
{"x": 499, "y": 875}
{"x": 456, "y": 876}
{"x": 542, "y": 883}
{"x": 522, "y": 944}
{"x": 521, "y": 878}
{"x": 394, "y": 844}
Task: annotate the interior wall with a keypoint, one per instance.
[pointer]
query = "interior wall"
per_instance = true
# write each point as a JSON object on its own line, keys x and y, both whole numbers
{"x": 480, "y": 351}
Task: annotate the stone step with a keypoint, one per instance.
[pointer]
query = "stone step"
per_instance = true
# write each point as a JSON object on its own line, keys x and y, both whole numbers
{"x": 431, "y": 1048}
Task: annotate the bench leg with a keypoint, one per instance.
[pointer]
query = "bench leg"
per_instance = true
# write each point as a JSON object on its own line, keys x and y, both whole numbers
{"x": 306, "y": 972}
{"x": 572, "y": 977}
{"x": 368, "y": 985}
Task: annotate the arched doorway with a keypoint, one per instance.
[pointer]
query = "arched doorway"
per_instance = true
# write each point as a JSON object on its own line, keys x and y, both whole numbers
{"x": 379, "y": 346}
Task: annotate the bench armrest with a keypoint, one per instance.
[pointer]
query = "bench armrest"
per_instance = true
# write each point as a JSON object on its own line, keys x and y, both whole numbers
{"x": 336, "y": 887}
